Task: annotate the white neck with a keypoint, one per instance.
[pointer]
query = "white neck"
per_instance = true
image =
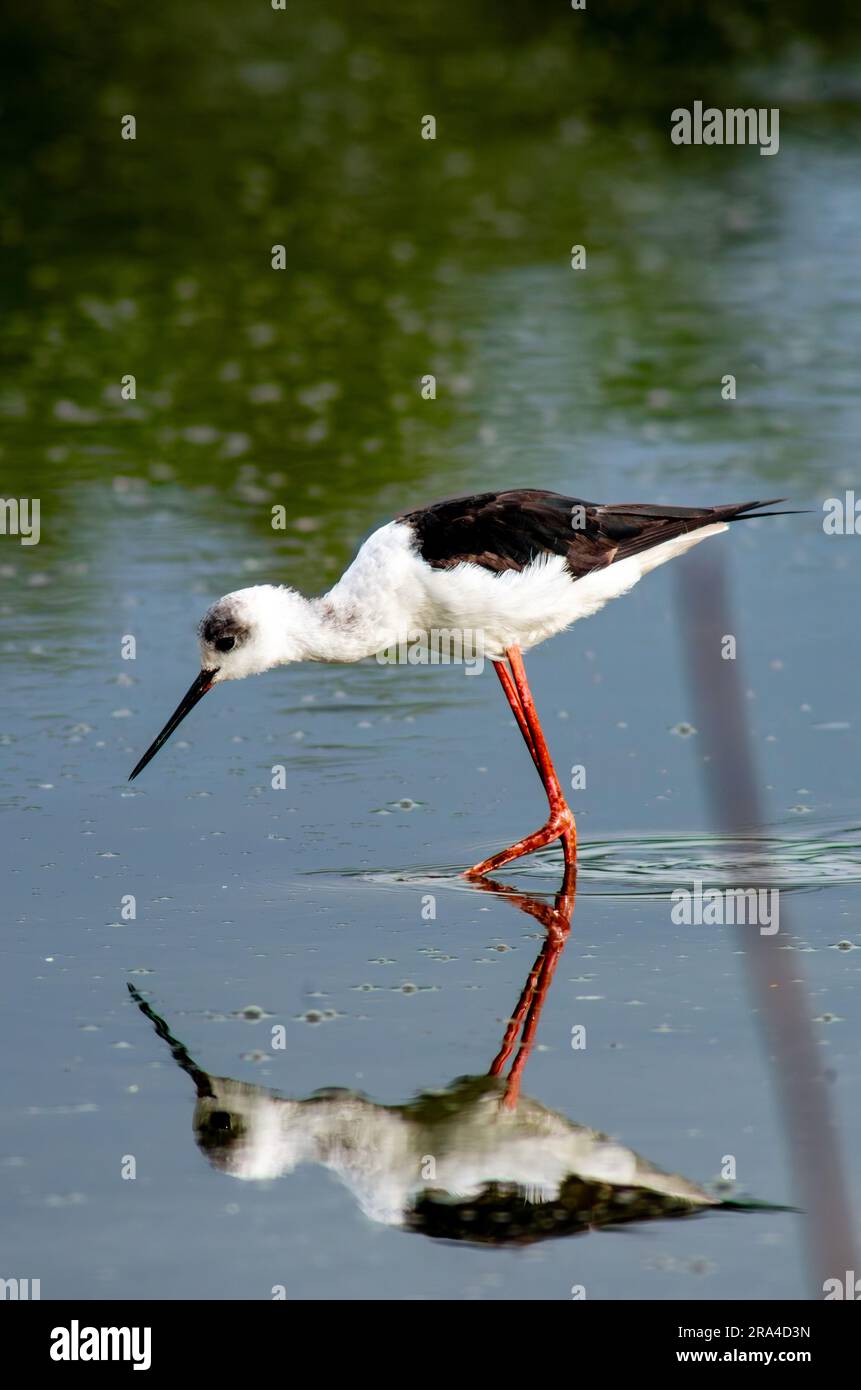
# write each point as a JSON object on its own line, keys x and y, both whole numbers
{"x": 379, "y": 596}
{"x": 331, "y": 627}
{"x": 283, "y": 626}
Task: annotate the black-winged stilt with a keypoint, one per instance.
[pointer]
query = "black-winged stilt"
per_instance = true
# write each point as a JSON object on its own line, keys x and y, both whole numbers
{"x": 512, "y": 568}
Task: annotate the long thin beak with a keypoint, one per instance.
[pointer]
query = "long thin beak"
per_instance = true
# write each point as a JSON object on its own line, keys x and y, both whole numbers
{"x": 196, "y": 692}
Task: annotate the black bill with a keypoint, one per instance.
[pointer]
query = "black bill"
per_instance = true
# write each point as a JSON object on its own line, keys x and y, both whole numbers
{"x": 196, "y": 692}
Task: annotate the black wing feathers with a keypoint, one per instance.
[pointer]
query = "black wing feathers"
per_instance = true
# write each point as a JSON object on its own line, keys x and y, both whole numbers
{"x": 507, "y": 530}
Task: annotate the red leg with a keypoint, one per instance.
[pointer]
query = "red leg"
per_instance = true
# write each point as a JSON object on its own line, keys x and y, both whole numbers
{"x": 560, "y": 824}
{"x": 517, "y": 709}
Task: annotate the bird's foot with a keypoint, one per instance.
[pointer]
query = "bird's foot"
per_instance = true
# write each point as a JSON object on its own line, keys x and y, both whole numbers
{"x": 560, "y": 826}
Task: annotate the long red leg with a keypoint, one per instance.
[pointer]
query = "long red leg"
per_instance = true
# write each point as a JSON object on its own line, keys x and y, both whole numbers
{"x": 517, "y": 709}
{"x": 560, "y": 824}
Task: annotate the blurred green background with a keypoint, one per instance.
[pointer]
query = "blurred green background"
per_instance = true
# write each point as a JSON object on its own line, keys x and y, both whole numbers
{"x": 404, "y": 256}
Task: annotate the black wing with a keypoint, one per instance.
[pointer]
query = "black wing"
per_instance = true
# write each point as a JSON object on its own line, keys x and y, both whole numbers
{"x": 507, "y": 530}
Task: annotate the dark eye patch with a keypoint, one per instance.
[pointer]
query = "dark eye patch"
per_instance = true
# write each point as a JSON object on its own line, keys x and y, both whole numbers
{"x": 222, "y": 628}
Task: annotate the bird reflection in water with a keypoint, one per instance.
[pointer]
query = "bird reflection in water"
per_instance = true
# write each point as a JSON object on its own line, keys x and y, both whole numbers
{"x": 477, "y": 1162}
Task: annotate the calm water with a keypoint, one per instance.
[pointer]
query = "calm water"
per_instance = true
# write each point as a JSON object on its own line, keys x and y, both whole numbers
{"x": 307, "y": 906}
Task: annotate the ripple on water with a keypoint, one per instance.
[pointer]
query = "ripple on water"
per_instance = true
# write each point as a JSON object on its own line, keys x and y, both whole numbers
{"x": 637, "y": 866}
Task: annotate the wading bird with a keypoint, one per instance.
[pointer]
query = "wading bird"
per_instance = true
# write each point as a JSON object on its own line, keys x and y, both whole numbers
{"x": 512, "y": 567}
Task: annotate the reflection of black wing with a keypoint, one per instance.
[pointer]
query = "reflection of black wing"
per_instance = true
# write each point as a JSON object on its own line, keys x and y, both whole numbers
{"x": 503, "y": 1215}
{"x": 506, "y": 530}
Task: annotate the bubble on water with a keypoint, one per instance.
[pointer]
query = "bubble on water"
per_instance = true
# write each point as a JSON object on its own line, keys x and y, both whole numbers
{"x": 261, "y": 334}
{"x": 186, "y": 288}
{"x": 201, "y": 434}
{"x": 73, "y": 414}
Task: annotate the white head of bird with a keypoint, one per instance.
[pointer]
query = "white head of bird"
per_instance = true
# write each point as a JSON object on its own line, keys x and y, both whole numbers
{"x": 250, "y": 631}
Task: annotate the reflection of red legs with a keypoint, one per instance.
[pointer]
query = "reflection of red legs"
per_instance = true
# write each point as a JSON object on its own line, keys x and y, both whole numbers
{"x": 560, "y": 824}
{"x": 557, "y": 921}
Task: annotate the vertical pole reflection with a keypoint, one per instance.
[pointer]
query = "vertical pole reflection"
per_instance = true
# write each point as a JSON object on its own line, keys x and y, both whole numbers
{"x": 779, "y": 997}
